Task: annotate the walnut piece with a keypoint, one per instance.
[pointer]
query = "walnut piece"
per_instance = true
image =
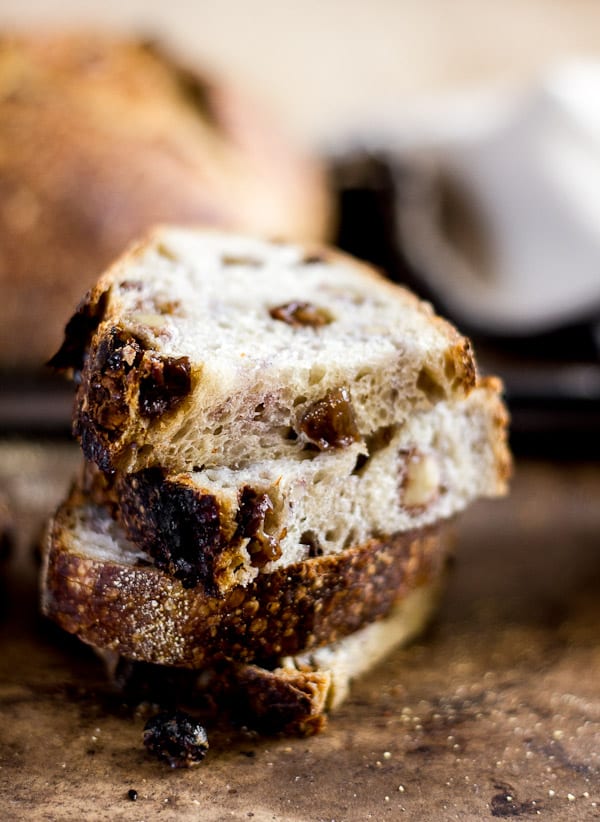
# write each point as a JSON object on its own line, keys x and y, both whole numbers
{"x": 421, "y": 482}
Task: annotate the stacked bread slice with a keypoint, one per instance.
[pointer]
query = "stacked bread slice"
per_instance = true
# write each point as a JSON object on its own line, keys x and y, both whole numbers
{"x": 275, "y": 439}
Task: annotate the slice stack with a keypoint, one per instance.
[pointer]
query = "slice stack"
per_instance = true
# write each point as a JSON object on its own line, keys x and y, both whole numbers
{"x": 275, "y": 439}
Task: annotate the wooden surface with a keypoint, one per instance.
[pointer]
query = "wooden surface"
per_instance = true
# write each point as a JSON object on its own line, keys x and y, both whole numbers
{"x": 494, "y": 713}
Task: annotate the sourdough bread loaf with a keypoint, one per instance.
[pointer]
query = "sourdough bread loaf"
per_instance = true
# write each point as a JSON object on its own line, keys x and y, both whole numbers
{"x": 100, "y": 587}
{"x": 202, "y": 349}
{"x": 102, "y": 137}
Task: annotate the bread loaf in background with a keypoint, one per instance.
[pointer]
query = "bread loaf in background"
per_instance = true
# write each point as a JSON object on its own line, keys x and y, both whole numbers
{"x": 102, "y": 137}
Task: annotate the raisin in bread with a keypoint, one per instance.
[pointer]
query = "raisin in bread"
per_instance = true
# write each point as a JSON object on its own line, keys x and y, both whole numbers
{"x": 102, "y": 588}
{"x": 221, "y": 527}
{"x": 102, "y": 137}
{"x": 202, "y": 349}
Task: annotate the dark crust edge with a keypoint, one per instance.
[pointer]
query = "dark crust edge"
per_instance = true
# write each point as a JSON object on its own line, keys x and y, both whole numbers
{"x": 144, "y": 615}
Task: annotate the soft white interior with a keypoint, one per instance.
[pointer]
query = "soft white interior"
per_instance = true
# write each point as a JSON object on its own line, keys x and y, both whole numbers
{"x": 96, "y": 535}
{"x": 207, "y": 296}
{"x": 433, "y": 467}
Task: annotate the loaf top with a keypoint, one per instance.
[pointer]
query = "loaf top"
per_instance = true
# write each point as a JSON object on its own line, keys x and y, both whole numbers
{"x": 206, "y": 348}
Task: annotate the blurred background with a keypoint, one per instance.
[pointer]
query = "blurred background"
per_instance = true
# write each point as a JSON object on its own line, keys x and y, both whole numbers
{"x": 456, "y": 145}
{"x": 324, "y": 67}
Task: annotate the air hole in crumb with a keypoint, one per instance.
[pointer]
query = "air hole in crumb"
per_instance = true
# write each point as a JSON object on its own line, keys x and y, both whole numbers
{"x": 291, "y": 434}
{"x": 218, "y": 430}
{"x": 299, "y": 400}
{"x": 350, "y": 539}
{"x": 331, "y": 535}
{"x": 360, "y": 463}
{"x": 430, "y": 386}
{"x": 258, "y": 409}
{"x": 312, "y": 540}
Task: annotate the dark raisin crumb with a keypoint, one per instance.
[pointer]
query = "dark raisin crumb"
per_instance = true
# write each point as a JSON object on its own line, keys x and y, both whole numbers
{"x": 176, "y": 738}
{"x": 132, "y": 794}
{"x": 254, "y": 509}
{"x": 330, "y": 422}
{"x": 166, "y": 384}
{"x": 299, "y": 314}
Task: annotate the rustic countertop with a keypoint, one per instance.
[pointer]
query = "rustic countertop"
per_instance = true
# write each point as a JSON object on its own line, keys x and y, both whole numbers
{"x": 494, "y": 713}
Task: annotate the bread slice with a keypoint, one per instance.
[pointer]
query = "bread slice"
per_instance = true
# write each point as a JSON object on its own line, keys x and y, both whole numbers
{"x": 98, "y": 586}
{"x": 203, "y": 349}
{"x": 221, "y": 527}
{"x": 294, "y": 695}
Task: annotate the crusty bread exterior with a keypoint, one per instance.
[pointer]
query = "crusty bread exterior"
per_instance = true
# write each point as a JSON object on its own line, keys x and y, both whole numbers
{"x": 100, "y": 138}
{"x": 201, "y": 349}
{"x": 294, "y": 695}
{"x": 98, "y": 586}
{"x": 221, "y": 527}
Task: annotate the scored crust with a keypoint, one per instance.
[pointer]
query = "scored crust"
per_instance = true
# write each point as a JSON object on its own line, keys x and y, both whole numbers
{"x": 192, "y": 354}
{"x": 97, "y": 586}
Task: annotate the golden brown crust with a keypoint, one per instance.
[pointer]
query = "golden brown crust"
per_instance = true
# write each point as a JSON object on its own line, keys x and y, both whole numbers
{"x": 143, "y": 614}
{"x": 499, "y": 440}
{"x": 101, "y": 138}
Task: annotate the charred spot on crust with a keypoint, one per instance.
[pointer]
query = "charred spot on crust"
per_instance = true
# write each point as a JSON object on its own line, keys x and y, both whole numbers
{"x": 92, "y": 443}
{"x": 330, "y": 422}
{"x": 177, "y": 525}
{"x": 119, "y": 374}
{"x": 79, "y": 331}
{"x": 252, "y": 513}
{"x": 299, "y": 314}
{"x": 165, "y": 384}
{"x": 176, "y": 738}
{"x": 116, "y": 357}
